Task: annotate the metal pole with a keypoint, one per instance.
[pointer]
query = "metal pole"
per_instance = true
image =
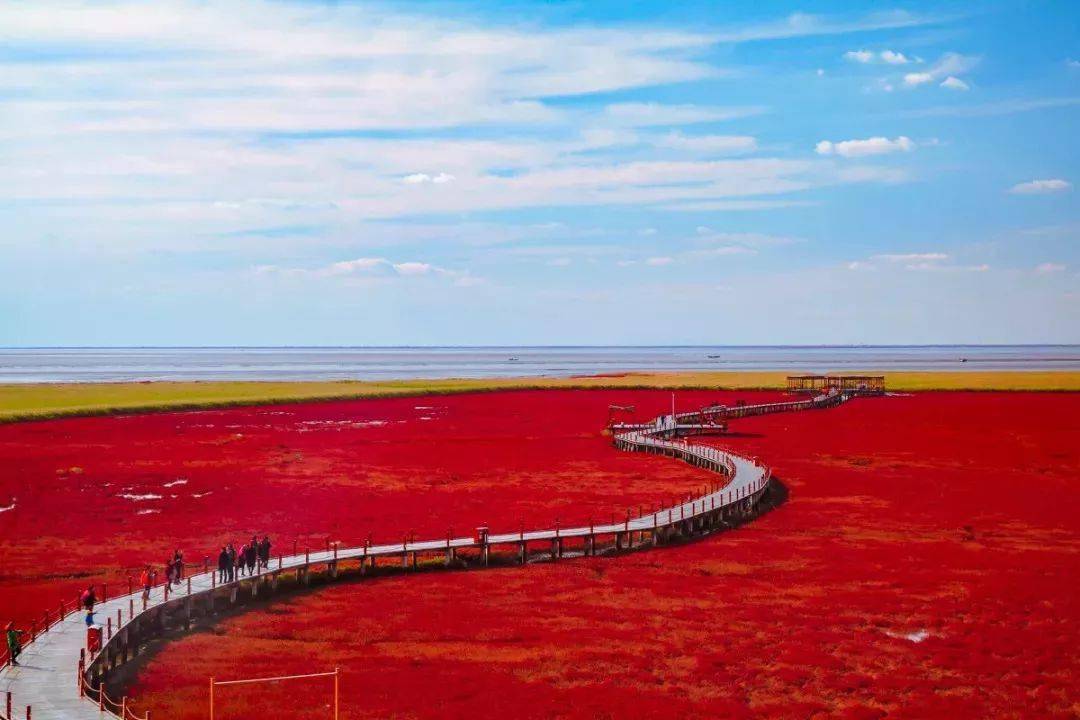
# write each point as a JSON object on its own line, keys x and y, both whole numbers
{"x": 337, "y": 675}
{"x": 211, "y": 698}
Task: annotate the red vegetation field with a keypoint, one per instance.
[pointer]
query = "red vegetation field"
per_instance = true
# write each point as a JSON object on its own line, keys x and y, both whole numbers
{"x": 924, "y": 566}
{"x": 95, "y": 498}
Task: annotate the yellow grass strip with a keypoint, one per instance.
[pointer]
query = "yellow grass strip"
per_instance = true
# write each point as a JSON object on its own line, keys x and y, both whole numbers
{"x": 40, "y": 401}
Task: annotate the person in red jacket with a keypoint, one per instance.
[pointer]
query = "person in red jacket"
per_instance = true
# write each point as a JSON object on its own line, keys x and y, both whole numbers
{"x": 88, "y": 598}
{"x": 147, "y": 581}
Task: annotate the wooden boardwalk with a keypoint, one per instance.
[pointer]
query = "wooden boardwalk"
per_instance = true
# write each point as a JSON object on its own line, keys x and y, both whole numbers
{"x": 60, "y": 681}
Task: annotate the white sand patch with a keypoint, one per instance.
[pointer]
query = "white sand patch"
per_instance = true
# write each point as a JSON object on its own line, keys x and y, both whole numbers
{"x": 916, "y": 637}
{"x": 7, "y": 508}
{"x": 140, "y": 498}
{"x": 148, "y": 511}
{"x": 174, "y": 483}
{"x": 200, "y": 495}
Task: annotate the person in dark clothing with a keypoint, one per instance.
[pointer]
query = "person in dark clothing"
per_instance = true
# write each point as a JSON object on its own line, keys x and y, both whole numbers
{"x": 170, "y": 571}
{"x": 252, "y": 549}
{"x": 88, "y": 598}
{"x": 264, "y": 551}
{"x": 241, "y": 559}
{"x": 178, "y": 565}
{"x": 223, "y": 564}
{"x": 232, "y": 562}
{"x": 14, "y": 643}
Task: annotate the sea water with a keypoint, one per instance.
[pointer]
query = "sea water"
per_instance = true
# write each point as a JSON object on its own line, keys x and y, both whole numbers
{"x": 26, "y": 365}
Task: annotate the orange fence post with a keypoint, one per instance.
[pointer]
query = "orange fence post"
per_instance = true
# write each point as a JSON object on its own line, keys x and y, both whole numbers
{"x": 211, "y": 698}
{"x": 337, "y": 675}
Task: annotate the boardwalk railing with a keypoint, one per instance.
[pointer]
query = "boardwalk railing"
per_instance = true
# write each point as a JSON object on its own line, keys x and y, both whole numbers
{"x": 140, "y": 618}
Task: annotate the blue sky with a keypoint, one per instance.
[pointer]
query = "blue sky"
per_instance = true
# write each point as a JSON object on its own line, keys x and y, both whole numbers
{"x": 180, "y": 173}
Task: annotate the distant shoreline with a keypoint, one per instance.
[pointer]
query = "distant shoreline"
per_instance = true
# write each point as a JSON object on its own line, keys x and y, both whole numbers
{"x": 42, "y": 401}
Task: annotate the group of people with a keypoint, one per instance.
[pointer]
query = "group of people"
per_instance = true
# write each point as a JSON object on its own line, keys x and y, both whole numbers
{"x": 252, "y": 557}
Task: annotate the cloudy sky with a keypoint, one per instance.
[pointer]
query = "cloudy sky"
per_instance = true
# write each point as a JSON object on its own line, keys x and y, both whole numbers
{"x": 190, "y": 173}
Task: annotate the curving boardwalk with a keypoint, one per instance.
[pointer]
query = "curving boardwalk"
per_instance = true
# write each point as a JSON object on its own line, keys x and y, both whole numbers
{"x": 59, "y": 680}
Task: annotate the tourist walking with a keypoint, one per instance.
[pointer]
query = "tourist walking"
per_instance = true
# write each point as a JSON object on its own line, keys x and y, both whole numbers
{"x": 223, "y": 564}
{"x": 178, "y": 563}
{"x": 232, "y": 562}
{"x": 146, "y": 579}
{"x": 264, "y": 552}
{"x": 250, "y": 555}
{"x": 14, "y": 643}
{"x": 241, "y": 559}
{"x": 88, "y": 598}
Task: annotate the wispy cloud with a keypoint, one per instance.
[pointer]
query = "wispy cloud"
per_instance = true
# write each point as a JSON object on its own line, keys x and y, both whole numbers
{"x": 720, "y": 144}
{"x": 954, "y": 83}
{"x": 1004, "y": 107}
{"x": 1041, "y": 187}
{"x": 803, "y": 25}
{"x": 949, "y": 65}
{"x": 888, "y": 57}
{"x": 369, "y": 268}
{"x": 638, "y": 114}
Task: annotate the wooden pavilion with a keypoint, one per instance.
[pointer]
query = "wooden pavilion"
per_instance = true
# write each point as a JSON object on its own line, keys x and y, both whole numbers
{"x": 852, "y": 384}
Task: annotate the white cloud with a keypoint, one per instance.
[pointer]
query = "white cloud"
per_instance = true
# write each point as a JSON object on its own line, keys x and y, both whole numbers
{"x": 920, "y": 78}
{"x": 659, "y": 261}
{"x": 821, "y": 72}
{"x": 727, "y": 144}
{"x": 889, "y": 57}
{"x": 954, "y": 83}
{"x": 359, "y": 265}
{"x": 1041, "y": 187}
{"x": 1049, "y": 267}
{"x": 857, "y": 265}
{"x": 421, "y": 178}
{"x": 949, "y": 65}
{"x": 894, "y": 58}
{"x": 859, "y": 56}
{"x": 413, "y": 268}
{"x": 369, "y": 269}
{"x": 861, "y": 148}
